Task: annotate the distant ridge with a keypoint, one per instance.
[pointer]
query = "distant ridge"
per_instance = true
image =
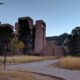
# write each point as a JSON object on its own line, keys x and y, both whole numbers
{"x": 59, "y": 39}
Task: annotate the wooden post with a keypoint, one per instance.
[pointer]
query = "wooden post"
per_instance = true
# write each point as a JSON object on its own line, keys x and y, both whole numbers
{"x": 4, "y": 57}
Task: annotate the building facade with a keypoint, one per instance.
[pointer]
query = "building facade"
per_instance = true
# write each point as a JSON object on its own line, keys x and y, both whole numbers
{"x": 32, "y": 35}
{"x": 34, "y": 38}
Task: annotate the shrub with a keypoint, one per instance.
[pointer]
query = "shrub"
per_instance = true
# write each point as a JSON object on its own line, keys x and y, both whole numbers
{"x": 70, "y": 62}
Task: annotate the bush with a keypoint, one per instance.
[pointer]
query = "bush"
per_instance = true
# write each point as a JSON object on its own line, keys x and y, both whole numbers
{"x": 70, "y": 62}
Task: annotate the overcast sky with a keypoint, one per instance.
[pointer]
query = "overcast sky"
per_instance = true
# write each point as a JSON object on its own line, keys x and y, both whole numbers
{"x": 60, "y": 15}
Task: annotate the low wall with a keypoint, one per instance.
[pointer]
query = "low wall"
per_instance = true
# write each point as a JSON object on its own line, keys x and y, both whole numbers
{"x": 53, "y": 50}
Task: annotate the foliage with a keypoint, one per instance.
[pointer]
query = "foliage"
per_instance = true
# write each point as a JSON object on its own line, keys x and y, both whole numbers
{"x": 5, "y": 37}
{"x": 20, "y": 45}
{"x": 60, "y": 39}
{"x": 74, "y": 42}
{"x": 16, "y": 45}
{"x": 13, "y": 42}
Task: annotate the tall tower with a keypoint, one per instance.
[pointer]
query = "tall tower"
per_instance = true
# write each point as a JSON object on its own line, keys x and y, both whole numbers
{"x": 40, "y": 28}
{"x": 24, "y": 27}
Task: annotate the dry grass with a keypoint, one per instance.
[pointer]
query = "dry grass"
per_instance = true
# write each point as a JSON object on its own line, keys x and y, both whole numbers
{"x": 23, "y": 59}
{"x": 70, "y": 62}
{"x": 20, "y": 75}
{"x": 15, "y": 75}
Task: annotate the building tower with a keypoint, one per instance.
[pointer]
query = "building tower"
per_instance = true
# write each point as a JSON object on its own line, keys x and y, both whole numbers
{"x": 40, "y": 28}
{"x": 24, "y": 29}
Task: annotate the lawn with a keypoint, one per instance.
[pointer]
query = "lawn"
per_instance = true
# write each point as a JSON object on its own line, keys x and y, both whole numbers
{"x": 23, "y": 59}
{"x": 70, "y": 63}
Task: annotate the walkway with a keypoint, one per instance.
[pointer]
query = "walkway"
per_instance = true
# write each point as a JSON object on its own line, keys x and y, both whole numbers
{"x": 42, "y": 68}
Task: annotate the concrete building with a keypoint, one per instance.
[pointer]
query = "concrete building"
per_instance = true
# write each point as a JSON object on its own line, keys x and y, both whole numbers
{"x": 40, "y": 28}
{"x": 34, "y": 38}
{"x": 52, "y": 49}
{"x": 25, "y": 26}
{"x": 34, "y": 35}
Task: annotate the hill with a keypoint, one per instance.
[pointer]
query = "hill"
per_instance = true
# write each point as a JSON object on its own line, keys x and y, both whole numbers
{"x": 59, "y": 39}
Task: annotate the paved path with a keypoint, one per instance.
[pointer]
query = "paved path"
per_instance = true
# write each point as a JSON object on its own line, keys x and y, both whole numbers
{"x": 42, "y": 68}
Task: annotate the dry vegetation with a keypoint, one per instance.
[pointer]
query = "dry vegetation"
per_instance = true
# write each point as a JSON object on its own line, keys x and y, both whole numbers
{"x": 70, "y": 63}
{"x": 15, "y": 75}
{"x": 19, "y": 75}
{"x": 23, "y": 59}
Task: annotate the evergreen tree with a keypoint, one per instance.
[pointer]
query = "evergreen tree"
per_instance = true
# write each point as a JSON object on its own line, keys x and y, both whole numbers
{"x": 74, "y": 42}
{"x": 5, "y": 37}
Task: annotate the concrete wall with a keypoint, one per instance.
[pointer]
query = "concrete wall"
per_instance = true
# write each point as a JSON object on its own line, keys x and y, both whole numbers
{"x": 58, "y": 51}
{"x": 47, "y": 50}
{"x": 39, "y": 37}
{"x": 41, "y": 46}
{"x": 52, "y": 50}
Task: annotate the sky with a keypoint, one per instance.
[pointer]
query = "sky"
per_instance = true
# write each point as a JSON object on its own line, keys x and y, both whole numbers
{"x": 60, "y": 15}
